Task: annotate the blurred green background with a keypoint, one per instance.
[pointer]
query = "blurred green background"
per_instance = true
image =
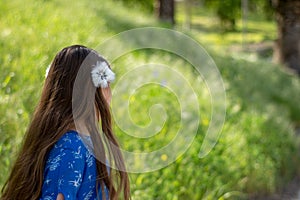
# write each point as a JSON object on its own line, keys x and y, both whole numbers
{"x": 258, "y": 151}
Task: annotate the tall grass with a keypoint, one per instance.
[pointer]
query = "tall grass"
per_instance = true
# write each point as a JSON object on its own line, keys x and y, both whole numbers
{"x": 256, "y": 153}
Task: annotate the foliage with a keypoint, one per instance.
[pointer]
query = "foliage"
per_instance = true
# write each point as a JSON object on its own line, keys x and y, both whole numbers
{"x": 257, "y": 151}
{"x": 230, "y": 11}
{"x": 227, "y": 11}
{"x": 147, "y": 5}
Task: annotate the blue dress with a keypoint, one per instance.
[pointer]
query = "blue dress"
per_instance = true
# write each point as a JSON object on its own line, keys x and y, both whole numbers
{"x": 70, "y": 169}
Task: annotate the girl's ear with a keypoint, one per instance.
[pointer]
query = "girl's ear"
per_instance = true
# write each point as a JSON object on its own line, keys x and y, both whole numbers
{"x": 107, "y": 94}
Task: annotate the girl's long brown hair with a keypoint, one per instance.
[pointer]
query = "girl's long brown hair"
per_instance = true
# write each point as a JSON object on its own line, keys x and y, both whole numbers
{"x": 57, "y": 111}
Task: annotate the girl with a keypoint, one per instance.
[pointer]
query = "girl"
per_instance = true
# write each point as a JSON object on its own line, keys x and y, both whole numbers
{"x": 64, "y": 155}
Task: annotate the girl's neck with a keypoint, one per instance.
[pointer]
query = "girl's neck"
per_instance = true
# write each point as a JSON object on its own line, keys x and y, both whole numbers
{"x": 80, "y": 128}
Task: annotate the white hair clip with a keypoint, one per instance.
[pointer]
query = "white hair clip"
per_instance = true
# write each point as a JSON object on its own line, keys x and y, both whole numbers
{"x": 102, "y": 75}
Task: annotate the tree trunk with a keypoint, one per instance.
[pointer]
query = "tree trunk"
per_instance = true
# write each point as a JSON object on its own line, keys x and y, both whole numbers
{"x": 166, "y": 10}
{"x": 287, "y": 47}
{"x": 188, "y": 14}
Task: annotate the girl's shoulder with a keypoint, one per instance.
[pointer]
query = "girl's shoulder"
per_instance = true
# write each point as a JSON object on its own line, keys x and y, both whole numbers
{"x": 70, "y": 141}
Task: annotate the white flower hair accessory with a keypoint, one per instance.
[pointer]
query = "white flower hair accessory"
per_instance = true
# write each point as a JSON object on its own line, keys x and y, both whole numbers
{"x": 102, "y": 75}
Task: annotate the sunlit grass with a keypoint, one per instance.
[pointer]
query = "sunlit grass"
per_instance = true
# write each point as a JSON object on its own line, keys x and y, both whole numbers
{"x": 257, "y": 150}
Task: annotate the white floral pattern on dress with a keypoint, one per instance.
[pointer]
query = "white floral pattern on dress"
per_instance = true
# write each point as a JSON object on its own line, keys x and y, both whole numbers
{"x": 71, "y": 169}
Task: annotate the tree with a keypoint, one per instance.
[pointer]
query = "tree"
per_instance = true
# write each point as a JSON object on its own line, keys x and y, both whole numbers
{"x": 166, "y": 10}
{"x": 227, "y": 11}
{"x": 144, "y": 5}
{"x": 287, "y": 48}
{"x": 188, "y": 4}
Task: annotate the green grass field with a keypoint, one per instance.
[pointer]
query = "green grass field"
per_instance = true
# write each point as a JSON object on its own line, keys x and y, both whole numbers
{"x": 257, "y": 152}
